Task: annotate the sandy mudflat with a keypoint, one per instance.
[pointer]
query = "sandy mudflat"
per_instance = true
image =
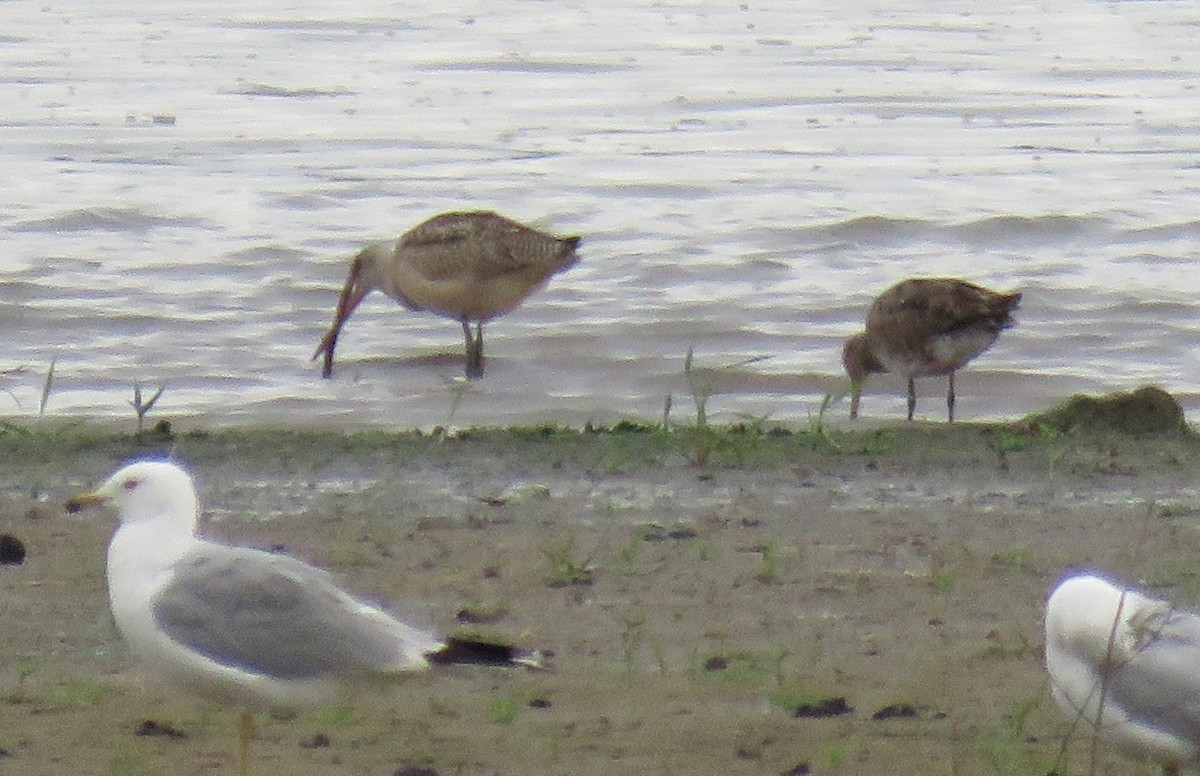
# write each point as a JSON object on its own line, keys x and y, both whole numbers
{"x": 690, "y": 606}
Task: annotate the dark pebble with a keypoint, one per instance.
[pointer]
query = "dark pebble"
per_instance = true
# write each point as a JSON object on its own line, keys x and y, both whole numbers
{"x": 907, "y": 711}
{"x": 829, "y": 707}
{"x": 149, "y": 727}
{"x": 316, "y": 741}
{"x": 799, "y": 769}
{"x": 656, "y": 533}
{"x": 413, "y": 770}
{"x": 12, "y": 550}
{"x": 716, "y": 663}
{"x": 539, "y": 703}
{"x": 653, "y": 533}
{"x": 896, "y": 711}
{"x": 476, "y": 617}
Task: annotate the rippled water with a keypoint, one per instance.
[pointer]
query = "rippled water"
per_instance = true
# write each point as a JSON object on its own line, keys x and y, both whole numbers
{"x": 185, "y": 184}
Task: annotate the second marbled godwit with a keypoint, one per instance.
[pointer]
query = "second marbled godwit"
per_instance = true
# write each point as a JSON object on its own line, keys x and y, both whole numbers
{"x": 926, "y": 326}
{"x": 469, "y": 266}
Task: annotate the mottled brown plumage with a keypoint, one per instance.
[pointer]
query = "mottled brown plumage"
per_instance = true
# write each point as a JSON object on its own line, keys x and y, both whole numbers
{"x": 469, "y": 266}
{"x": 926, "y": 326}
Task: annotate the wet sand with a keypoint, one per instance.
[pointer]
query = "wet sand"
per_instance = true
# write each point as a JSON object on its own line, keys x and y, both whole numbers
{"x": 692, "y": 606}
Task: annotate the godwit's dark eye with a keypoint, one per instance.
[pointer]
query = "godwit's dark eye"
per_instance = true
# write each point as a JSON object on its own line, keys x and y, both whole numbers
{"x": 130, "y": 484}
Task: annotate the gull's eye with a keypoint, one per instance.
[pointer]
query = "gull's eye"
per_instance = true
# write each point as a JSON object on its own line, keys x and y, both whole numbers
{"x": 130, "y": 484}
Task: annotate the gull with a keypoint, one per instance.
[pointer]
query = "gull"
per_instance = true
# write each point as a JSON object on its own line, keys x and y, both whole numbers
{"x": 1126, "y": 667}
{"x": 926, "y": 326}
{"x": 246, "y": 628}
{"x": 470, "y": 266}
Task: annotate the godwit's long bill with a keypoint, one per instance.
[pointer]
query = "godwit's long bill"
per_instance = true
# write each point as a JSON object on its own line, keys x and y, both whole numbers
{"x": 926, "y": 326}
{"x": 469, "y": 266}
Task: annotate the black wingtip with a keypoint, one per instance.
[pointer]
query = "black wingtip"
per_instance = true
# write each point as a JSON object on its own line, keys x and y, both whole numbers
{"x": 460, "y": 651}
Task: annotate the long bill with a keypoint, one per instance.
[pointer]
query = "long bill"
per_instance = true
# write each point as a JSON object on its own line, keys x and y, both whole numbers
{"x": 349, "y": 300}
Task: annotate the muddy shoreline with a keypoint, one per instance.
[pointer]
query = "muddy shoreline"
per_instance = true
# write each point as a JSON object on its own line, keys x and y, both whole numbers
{"x": 698, "y": 586}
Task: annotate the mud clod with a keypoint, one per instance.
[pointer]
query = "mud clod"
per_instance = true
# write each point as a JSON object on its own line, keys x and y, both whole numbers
{"x": 1147, "y": 410}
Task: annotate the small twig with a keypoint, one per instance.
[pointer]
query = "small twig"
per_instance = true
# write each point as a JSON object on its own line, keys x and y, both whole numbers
{"x": 46, "y": 386}
{"x": 703, "y": 381}
{"x": 816, "y": 424}
{"x": 142, "y": 408}
{"x": 699, "y": 392}
{"x": 458, "y": 388}
{"x": 1106, "y": 674}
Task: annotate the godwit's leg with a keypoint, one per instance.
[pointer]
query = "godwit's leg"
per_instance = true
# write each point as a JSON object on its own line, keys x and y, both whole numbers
{"x": 479, "y": 346}
{"x": 950, "y": 398}
{"x": 912, "y": 398}
{"x": 474, "y": 349}
{"x": 246, "y": 736}
{"x": 854, "y": 399}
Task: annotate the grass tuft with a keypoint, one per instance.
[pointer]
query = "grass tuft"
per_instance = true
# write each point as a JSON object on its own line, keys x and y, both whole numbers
{"x": 141, "y": 407}
{"x": 565, "y": 569}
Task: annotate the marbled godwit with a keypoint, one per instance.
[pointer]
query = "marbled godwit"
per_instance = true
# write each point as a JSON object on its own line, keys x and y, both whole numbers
{"x": 1123, "y": 667}
{"x": 470, "y": 266}
{"x": 926, "y": 326}
{"x": 244, "y": 627}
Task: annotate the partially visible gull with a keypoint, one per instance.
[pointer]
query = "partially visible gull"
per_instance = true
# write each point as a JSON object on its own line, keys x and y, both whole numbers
{"x": 247, "y": 628}
{"x": 1127, "y": 668}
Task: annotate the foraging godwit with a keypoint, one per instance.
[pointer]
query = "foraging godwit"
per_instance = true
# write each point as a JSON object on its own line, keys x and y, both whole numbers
{"x": 469, "y": 266}
{"x": 926, "y": 326}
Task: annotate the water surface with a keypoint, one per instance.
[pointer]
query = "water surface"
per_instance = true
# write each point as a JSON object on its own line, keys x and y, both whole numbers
{"x": 186, "y": 183}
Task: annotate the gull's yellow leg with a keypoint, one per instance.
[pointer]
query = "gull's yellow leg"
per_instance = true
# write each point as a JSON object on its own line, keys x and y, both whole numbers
{"x": 247, "y": 735}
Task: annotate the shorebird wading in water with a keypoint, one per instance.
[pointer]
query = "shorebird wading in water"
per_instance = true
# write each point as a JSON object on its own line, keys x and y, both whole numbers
{"x": 926, "y": 326}
{"x": 469, "y": 266}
